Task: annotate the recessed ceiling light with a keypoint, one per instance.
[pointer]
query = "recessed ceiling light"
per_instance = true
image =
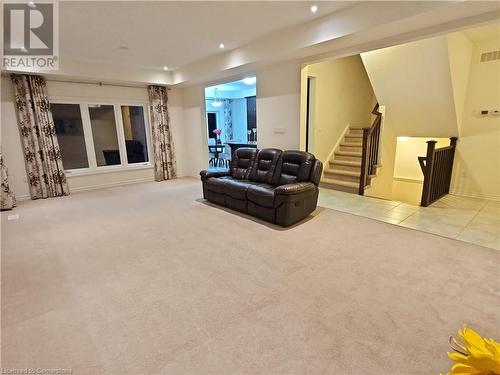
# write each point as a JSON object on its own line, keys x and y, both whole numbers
{"x": 221, "y": 45}
{"x": 249, "y": 80}
{"x": 165, "y": 67}
{"x": 31, "y": 4}
{"x": 314, "y": 8}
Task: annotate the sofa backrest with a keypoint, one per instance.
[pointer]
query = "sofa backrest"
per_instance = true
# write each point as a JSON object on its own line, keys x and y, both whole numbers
{"x": 294, "y": 166}
{"x": 265, "y": 165}
{"x": 316, "y": 171}
{"x": 242, "y": 162}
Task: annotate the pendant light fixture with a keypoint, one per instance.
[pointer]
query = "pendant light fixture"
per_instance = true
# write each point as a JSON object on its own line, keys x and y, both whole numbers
{"x": 216, "y": 102}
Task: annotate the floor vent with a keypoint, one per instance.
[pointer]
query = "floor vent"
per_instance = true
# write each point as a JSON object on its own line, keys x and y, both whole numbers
{"x": 490, "y": 56}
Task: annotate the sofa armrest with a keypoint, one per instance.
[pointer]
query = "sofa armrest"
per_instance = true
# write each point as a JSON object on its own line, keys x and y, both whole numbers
{"x": 207, "y": 174}
{"x": 294, "y": 189}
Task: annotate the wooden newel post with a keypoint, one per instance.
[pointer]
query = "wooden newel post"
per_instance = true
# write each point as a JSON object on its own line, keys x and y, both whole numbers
{"x": 453, "y": 143}
{"x": 429, "y": 164}
{"x": 364, "y": 154}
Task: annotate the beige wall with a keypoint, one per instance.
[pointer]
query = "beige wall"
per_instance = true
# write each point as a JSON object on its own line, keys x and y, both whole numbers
{"x": 436, "y": 88}
{"x": 11, "y": 143}
{"x": 408, "y": 177}
{"x": 413, "y": 81}
{"x": 381, "y": 186}
{"x": 477, "y": 161}
{"x": 460, "y": 56}
{"x": 407, "y": 151}
{"x": 342, "y": 95}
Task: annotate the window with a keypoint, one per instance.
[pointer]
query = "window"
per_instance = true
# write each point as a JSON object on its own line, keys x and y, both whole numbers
{"x": 69, "y": 130}
{"x": 134, "y": 130}
{"x": 212, "y": 124}
{"x": 95, "y": 136}
{"x": 102, "y": 120}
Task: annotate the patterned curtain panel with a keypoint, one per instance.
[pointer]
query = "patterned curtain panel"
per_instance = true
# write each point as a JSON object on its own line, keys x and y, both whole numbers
{"x": 44, "y": 167}
{"x": 228, "y": 119}
{"x": 7, "y": 198}
{"x": 163, "y": 148}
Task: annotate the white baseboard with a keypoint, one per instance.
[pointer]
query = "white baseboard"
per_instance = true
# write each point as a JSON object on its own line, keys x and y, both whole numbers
{"x": 471, "y": 194}
{"x": 409, "y": 180}
{"x": 111, "y": 184}
{"x": 336, "y": 146}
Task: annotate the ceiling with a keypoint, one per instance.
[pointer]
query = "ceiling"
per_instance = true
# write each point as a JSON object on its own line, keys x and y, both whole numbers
{"x": 478, "y": 34}
{"x": 233, "y": 89}
{"x": 233, "y": 86}
{"x": 170, "y": 33}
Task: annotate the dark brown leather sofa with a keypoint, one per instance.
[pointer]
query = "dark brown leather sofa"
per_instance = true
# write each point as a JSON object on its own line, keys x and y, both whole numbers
{"x": 277, "y": 186}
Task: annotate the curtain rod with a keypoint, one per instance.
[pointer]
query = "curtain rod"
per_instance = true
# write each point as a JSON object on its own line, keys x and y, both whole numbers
{"x": 98, "y": 83}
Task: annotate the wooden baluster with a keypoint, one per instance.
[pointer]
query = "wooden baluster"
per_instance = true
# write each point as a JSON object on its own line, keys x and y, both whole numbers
{"x": 377, "y": 139}
{"x": 369, "y": 153}
{"x": 429, "y": 166}
{"x": 364, "y": 157}
{"x": 453, "y": 142}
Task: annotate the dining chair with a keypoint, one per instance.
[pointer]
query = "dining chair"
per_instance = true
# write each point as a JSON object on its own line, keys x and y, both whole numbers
{"x": 211, "y": 155}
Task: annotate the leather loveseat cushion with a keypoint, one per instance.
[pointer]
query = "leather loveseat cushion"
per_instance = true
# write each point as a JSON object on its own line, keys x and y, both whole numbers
{"x": 265, "y": 165}
{"x": 216, "y": 184}
{"x": 262, "y": 194}
{"x": 294, "y": 166}
{"x": 237, "y": 188}
{"x": 242, "y": 162}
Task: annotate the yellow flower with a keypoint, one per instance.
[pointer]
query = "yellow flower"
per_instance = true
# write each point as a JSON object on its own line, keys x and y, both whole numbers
{"x": 475, "y": 355}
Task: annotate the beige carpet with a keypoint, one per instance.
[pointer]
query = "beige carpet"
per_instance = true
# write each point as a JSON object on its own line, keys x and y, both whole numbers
{"x": 148, "y": 279}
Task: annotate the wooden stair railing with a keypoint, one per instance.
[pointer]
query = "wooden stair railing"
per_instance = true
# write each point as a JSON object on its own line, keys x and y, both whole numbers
{"x": 369, "y": 156}
{"x": 437, "y": 167}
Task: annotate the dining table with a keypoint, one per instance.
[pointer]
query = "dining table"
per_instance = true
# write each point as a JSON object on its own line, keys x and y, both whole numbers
{"x": 216, "y": 150}
{"x": 234, "y": 145}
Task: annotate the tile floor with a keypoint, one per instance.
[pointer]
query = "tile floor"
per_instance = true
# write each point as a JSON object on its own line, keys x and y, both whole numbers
{"x": 467, "y": 219}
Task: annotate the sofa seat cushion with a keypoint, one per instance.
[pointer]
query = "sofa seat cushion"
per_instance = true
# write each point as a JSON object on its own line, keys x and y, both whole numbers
{"x": 216, "y": 184}
{"x": 237, "y": 188}
{"x": 261, "y": 194}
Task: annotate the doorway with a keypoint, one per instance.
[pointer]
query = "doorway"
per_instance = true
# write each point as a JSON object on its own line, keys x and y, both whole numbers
{"x": 310, "y": 107}
{"x": 231, "y": 119}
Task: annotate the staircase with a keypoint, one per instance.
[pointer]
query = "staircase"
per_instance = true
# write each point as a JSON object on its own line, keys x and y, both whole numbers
{"x": 344, "y": 168}
{"x": 355, "y": 162}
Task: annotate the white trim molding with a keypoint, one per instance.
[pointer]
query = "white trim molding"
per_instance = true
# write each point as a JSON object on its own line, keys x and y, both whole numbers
{"x": 471, "y": 194}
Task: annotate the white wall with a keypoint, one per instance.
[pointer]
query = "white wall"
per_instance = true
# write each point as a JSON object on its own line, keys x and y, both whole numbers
{"x": 343, "y": 95}
{"x": 195, "y": 130}
{"x": 11, "y": 143}
{"x": 477, "y": 160}
{"x": 278, "y": 106}
{"x": 239, "y": 117}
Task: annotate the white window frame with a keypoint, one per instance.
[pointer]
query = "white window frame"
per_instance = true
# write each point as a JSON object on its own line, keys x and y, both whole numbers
{"x": 89, "y": 140}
